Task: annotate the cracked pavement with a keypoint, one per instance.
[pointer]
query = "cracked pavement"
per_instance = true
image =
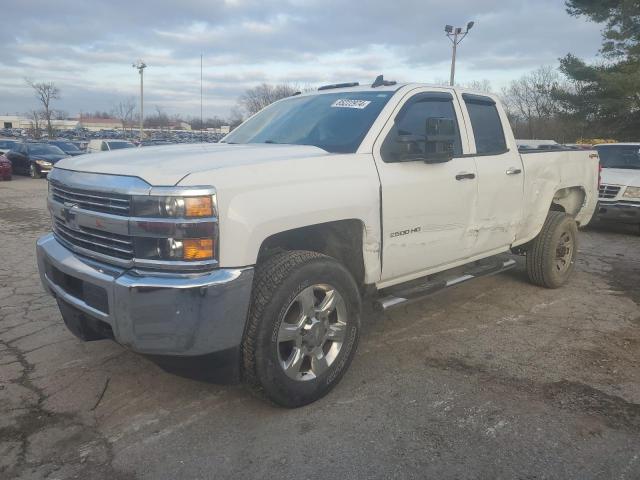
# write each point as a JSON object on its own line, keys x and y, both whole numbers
{"x": 493, "y": 379}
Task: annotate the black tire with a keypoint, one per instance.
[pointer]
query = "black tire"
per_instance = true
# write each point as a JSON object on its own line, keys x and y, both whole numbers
{"x": 544, "y": 265}
{"x": 34, "y": 172}
{"x": 277, "y": 283}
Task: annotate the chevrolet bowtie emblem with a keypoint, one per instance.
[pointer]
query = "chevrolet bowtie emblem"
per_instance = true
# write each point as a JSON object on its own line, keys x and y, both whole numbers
{"x": 68, "y": 213}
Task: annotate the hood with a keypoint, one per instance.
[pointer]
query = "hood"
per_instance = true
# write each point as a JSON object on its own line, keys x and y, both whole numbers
{"x": 49, "y": 157}
{"x": 168, "y": 164}
{"x": 621, "y": 176}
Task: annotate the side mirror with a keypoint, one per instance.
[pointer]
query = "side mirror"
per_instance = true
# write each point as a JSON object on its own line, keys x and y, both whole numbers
{"x": 440, "y": 136}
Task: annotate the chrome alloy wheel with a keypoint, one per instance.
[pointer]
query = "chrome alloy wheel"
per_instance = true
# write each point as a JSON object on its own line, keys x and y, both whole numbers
{"x": 564, "y": 252}
{"x": 312, "y": 332}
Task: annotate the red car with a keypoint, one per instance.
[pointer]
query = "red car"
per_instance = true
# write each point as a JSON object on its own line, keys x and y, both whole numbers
{"x": 5, "y": 168}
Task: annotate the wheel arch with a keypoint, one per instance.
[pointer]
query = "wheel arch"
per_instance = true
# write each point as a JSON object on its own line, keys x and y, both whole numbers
{"x": 569, "y": 200}
{"x": 340, "y": 239}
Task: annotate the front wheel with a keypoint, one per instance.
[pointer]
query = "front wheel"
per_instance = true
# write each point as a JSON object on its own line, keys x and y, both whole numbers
{"x": 302, "y": 329}
{"x": 551, "y": 255}
{"x": 34, "y": 172}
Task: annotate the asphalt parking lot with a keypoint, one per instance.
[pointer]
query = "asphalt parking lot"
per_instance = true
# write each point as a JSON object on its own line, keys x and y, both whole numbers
{"x": 494, "y": 379}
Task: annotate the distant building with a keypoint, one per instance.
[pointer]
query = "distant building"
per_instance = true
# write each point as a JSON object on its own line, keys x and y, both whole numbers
{"x": 224, "y": 129}
{"x": 20, "y": 121}
{"x": 95, "y": 124}
{"x": 14, "y": 121}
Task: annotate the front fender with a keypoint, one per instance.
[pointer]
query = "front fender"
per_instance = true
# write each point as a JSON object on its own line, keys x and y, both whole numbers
{"x": 261, "y": 200}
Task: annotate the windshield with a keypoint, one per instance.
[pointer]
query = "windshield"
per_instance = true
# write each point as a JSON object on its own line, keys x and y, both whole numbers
{"x": 41, "y": 149}
{"x": 335, "y": 122}
{"x": 619, "y": 156}
{"x": 66, "y": 146}
{"x": 119, "y": 145}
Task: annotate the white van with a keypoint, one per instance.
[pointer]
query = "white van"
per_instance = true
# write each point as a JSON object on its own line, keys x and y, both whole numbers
{"x": 106, "y": 145}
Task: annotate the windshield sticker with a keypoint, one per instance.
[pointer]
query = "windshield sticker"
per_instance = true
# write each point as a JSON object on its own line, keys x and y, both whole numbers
{"x": 347, "y": 103}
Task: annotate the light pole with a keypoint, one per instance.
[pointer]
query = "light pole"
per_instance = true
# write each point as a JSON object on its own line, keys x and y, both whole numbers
{"x": 456, "y": 35}
{"x": 140, "y": 65}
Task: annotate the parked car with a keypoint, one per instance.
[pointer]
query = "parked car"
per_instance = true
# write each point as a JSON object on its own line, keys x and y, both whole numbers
{"x": 106, "y": 145}
{"x": 6, "y": 145}
{"x": 34, "y": 159}
{"x": 620, "y": 185}
{"x": 254, "y": 255}
{"x": 578, "y": 146}
{"x": 5, "y": 168}
{"x": 67, "y": 147}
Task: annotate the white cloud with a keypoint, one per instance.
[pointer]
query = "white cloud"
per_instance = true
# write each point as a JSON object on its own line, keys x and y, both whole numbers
{"x": 87, "y": 47}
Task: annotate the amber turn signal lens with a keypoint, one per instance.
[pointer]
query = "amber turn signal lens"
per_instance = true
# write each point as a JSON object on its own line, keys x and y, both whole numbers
{"x": 198, "y": 206}
{"x": 197, "y": 249}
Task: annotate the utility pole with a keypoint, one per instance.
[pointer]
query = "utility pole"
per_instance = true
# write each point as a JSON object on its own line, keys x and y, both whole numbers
{"x": 456, "y": 35}
{"x": 140, "y": 66}
{"x": 201, "y": 125}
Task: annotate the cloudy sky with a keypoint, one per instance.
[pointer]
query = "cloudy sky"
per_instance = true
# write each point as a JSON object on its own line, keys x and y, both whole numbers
{"x": 87, "y": 47}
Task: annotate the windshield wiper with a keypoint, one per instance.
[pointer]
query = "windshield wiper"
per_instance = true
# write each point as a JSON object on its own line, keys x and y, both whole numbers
{"x": 271, "y": 141}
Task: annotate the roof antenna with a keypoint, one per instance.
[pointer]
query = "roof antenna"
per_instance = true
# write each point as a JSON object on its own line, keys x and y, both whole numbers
{"x": 381, "y": 82}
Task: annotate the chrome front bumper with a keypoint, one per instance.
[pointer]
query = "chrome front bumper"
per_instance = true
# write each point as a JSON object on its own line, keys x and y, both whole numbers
{"x": 619, "y": 211}
{"x": 155, "y": 314}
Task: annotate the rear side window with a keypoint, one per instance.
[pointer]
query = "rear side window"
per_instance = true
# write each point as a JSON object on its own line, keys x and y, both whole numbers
{"x": 486, "y": 124}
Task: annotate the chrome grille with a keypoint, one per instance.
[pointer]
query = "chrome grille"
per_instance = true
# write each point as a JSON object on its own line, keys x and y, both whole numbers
{"x": 609, "y": 191}
{"x": 114, "y": 245}
{"x": 113, "y": 203}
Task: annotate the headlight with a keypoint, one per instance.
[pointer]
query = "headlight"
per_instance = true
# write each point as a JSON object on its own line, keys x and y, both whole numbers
{"x": 44, "y": 163}
{"x": 632, "y": 192}
{"x": 178, "y": 227}
{"x": 174, "y": 207}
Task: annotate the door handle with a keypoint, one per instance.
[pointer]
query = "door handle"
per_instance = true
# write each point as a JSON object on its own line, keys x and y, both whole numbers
{"x": 513, "y": 171}
{"x": 465, "y": 176}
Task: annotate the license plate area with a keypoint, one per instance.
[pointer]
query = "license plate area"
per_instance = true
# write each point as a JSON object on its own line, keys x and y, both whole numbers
{"x": 93, "y": 295}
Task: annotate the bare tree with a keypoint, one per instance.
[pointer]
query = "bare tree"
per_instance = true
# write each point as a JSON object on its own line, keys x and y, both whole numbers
{"x": 45, "y": 92}
{"x": 60, "y": 114}
{"x": 235, "y": 117}
{"x": 35, "y": 116}
{"x": 531, "y": 98}
{"x": 255, "y": 99}
{"x": 124, "y": 111}
{"x": 480, "y": 86}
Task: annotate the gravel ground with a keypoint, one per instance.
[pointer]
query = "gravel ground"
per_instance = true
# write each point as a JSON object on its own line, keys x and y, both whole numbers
{"x": 493, "y": 379}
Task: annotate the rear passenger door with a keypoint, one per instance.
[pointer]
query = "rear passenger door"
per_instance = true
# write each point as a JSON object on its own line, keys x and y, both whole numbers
{"x": 500, "y": 176}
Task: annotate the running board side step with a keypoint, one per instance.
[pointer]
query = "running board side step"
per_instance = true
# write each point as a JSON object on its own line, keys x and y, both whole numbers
{"x": 400, "y": 297}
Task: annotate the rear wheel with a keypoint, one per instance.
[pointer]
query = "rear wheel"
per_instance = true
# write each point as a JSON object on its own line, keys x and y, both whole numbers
{"x": 551, "y": 256}
{"x": 34, "y": 172}
{"x": 302, "y": 329}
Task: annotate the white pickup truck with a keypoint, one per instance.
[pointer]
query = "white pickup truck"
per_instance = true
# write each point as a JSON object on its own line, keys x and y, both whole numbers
{"x": 249, "y": 259}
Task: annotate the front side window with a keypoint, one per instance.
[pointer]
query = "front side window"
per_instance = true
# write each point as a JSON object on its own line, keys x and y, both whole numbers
{"x": 104, "y": 147}
{"x": 425, "y": 125}
{"x": 486, "y": 124}
{"x": 335, "y": 122}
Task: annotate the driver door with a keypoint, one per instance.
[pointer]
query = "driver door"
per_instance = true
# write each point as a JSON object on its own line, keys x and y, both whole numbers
{"x": 427, "y": 208}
